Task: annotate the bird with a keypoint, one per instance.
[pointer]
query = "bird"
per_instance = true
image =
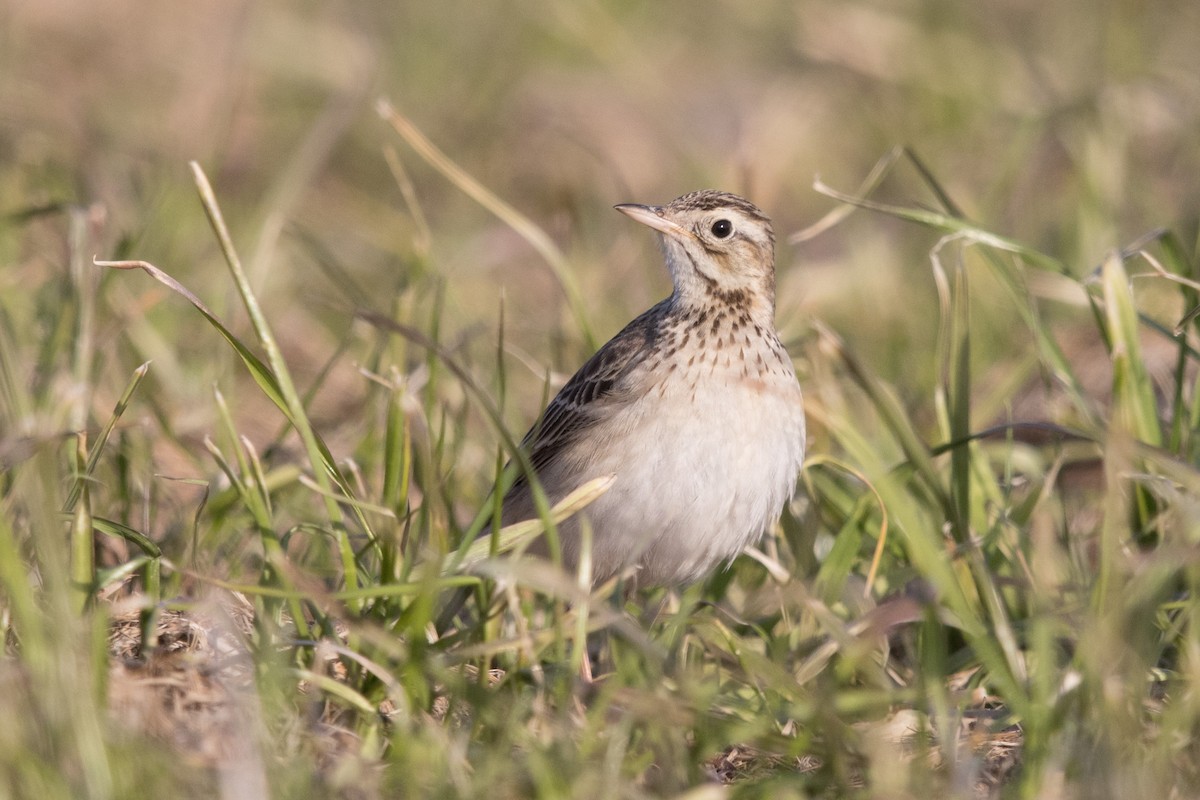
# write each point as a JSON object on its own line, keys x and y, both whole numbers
{"x": 693, "y": 408}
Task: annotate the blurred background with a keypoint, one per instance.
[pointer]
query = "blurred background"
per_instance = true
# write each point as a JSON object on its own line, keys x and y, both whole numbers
{"x": 1071, "y": 127}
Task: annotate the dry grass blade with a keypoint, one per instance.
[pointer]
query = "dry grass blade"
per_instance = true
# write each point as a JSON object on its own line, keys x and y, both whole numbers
{"x": 423, "y": 239}
{"x": 882, "y": 167}
{"x": 515, "y": 536}
{"x": 524, "y": 226}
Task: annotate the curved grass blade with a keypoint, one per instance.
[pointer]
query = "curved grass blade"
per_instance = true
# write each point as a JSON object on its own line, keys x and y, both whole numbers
{"x": 122, "y": 531}
{"x": 882, "y": 167}
{"x": 951, "y": 225}
{"x": 259, "y": 371}
{"x": 524, "y": 226}
{"x": 956, "y": 227}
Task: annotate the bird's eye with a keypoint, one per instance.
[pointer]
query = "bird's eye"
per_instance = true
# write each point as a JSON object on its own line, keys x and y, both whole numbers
{"x": 722, "y": 228}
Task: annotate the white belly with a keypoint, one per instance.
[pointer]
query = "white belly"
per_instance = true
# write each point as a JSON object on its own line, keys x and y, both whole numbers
{"x": 701, "y": 473}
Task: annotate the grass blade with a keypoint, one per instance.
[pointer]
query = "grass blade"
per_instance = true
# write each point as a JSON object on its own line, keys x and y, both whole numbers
{"x": 524, "y": 226}
{"x": 1133, "y": 392}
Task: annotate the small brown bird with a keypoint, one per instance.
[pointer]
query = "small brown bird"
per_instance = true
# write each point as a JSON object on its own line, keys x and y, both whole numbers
{"x": 694, "y": 407}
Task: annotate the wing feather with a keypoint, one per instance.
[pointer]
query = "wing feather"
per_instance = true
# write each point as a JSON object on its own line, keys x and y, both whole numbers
{"x": 579, "y": 404}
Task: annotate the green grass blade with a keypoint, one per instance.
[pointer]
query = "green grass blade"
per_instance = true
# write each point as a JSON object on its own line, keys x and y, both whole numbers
{"x": 893, "y": 415}
{"x": 122, "y": 531}
{"x": 83, "y": 545}
{"x": 951, "y": 225}
{"x": 97, "y": 448}
{"x": 259, "y": 371}
{"x": 318, "y": 455}
{"x": 1133, "y": 392}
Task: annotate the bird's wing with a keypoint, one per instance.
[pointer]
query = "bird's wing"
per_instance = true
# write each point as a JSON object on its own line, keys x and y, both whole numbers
{"x": 581, "y": 402}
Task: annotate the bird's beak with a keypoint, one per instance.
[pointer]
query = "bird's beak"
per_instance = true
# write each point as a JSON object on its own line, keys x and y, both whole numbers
{"x": 652, "y": 216}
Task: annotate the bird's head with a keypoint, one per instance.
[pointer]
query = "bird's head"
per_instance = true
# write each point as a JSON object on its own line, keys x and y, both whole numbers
{"x": 718, "y": 246}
